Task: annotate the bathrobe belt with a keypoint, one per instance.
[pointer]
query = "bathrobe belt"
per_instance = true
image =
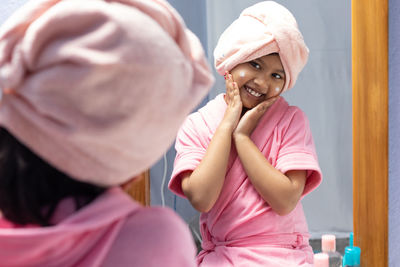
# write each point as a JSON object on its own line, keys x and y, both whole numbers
{"x": 293, "y": 240}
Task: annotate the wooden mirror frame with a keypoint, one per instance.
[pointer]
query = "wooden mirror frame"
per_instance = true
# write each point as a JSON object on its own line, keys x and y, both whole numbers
{"x": 370, "y": 130}
{"x": 139, "y": 188}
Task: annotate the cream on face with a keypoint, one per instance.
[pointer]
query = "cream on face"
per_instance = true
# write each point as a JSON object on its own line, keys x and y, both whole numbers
{"x": 252, "y": 92}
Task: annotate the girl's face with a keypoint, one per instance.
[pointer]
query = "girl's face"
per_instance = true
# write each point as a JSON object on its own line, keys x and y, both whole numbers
{"x": 259, "y": 79}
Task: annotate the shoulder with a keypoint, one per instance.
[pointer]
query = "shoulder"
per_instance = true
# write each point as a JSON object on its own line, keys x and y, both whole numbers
{"x": 151, "y": 222}
{"x": 152, "y": 217}
{"x": 294, "y": 117}
{"x": 191, "y": 122}
{"x": 191, "y": 131}
{"x": 296, "y": 113}
{"x": 202, "y": 123}
{"x": 157, "y": 235}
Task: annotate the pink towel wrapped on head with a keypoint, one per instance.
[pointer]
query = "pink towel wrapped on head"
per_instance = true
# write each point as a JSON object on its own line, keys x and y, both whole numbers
{"x": 99, "y": 88}
{"x": 264, "y": 28}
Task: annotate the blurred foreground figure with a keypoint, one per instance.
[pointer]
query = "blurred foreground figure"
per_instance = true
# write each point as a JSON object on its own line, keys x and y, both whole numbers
{"x": 93, "y": 93}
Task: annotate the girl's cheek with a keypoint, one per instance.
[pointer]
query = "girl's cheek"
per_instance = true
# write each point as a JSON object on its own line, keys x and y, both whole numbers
{"x": 242, "y": 74}
{"x": 274, "y": 92}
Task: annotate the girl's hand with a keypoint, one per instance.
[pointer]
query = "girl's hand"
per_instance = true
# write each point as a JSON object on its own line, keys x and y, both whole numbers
{"x": 232, "y": 99}
{"x": 251, "y": 118}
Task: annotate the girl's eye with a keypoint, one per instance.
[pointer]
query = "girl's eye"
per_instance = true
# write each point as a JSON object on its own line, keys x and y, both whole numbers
{"x": 277, "y": 76}
{"x": 255, "y": 65}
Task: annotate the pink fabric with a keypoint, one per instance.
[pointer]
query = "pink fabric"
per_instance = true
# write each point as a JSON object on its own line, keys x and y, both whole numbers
{"x": 264, "y": 28}
{"x": 111, "y": 231}
{"x": 241, "y": 229}
{"x": 99, "y": 88}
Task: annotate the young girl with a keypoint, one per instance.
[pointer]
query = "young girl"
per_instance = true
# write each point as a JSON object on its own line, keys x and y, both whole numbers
{"x": 89, "y": 100}
{"x": 247, "y": 158}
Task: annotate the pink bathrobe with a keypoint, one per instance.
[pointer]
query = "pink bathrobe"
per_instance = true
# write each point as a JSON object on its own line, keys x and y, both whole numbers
{"x": 241, "y": 229}
{"x": 112, "y": 231}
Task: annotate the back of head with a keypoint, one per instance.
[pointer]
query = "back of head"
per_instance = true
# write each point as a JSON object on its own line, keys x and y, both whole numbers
{"x": 98, "y": 89}
{"x": 264, "y": 28}
{"x": 31, "y": 189}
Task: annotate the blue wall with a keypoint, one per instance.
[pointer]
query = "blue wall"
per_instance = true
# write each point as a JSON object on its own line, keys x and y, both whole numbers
{"x": 394, "y": 133}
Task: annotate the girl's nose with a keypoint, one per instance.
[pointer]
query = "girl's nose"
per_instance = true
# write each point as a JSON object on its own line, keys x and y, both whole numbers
{"x": 263, "y": 83}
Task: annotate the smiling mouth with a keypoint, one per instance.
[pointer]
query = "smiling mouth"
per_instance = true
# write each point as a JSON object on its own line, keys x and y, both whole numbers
{"x": 252, "y": 92}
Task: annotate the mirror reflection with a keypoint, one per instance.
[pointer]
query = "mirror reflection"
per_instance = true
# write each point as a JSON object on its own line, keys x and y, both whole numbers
{"x": 322, "y": 91}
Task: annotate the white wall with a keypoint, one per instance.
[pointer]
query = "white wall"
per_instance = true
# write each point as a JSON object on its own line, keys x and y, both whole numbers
{"x": 9, "y": 6}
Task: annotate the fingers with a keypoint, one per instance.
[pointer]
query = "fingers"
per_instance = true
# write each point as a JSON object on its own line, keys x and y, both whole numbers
{"x": 232, "y": 89}
{"x": 228, "y": 82}
{"x": 267, "y": 103}
{"x": 228, "y": 85}
{"x": 261, "y": 108}
{"x": 233, "y": 101}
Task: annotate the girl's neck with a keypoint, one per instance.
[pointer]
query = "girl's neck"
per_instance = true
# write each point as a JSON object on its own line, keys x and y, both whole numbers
{"x": 244, "y": 110}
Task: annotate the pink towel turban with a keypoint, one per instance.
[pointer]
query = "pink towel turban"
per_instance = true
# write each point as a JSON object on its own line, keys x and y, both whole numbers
{"x": 262, "y": 29}
{"x": 99, "y": 88}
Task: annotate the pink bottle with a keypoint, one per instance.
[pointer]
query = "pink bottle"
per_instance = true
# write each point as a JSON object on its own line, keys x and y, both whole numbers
{"x": 329, "y": 247}
{"x": 321, "y": 260}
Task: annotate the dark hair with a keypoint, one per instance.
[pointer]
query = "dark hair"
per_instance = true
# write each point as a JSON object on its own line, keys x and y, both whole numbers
{"x": 30, "y": 189}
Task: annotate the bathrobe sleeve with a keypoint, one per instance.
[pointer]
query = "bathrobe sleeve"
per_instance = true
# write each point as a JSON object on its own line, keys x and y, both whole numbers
{"x": 191, "y": 144}
{"x": 297, "y": 150}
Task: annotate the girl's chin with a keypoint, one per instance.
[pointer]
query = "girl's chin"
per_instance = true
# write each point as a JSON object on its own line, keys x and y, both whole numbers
{"x": 248, "y": 105}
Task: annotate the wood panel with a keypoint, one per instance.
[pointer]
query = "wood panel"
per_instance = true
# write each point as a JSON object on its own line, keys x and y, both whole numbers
{"x": 370, "y": 130}
{"x": 139, "y": 188}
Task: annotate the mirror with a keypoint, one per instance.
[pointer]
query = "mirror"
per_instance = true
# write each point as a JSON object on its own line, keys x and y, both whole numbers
{"x": 358, "y": 27}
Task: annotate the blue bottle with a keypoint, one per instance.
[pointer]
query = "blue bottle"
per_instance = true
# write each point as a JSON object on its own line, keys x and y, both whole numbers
{"x": 352, "y": 254}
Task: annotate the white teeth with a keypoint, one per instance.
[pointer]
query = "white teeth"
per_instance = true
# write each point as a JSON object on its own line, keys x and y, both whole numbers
{"x": 252, "y": 92}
